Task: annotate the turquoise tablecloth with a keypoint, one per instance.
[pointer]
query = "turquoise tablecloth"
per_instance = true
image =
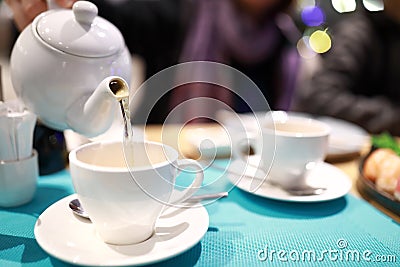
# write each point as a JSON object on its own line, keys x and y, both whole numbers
{"x": 245, "y": 230}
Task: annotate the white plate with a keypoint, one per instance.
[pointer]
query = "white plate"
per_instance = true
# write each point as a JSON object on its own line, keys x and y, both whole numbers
{"x": 336, "y": 182}
{"x": 345, "y": 137}
{"x": 74, "y": 240}
{"x": 209, "y": 142}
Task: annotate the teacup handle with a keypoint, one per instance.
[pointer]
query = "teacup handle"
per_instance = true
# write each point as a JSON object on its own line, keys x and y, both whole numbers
{"x": 244, "y": 143}
{"x": 181, "y": 196}
{"x": 250, "y": 160}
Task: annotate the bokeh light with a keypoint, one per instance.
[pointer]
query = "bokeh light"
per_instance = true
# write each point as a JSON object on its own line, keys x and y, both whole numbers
{"x": 304, "y": 49}
{"x": 301, "y": 4}
{"x": 312, "y": 16}
{"x": 343, "y": 6}
{"x": 320, "y": 41}
{"x": 374, "y": 5}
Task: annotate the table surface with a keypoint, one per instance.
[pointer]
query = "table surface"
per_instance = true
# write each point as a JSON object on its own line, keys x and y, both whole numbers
{"x": 176, "y": 136}
{"x": 244, "y": 229}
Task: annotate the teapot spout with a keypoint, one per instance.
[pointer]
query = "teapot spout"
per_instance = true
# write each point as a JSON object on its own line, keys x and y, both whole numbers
{"x": 93, "y": 115}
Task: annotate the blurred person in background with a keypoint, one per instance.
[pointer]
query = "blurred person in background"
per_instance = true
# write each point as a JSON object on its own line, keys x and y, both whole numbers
{"x": 253, "y": 36}
{"x": 359, "y": 77}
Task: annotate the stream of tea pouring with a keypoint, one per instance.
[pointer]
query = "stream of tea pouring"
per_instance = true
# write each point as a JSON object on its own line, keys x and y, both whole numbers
{"x": 121, "y": 93}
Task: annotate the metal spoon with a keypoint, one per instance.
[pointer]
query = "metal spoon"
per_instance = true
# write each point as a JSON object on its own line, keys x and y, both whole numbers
{"x": 77, "y": 208}
{"x": 305, "y": 190}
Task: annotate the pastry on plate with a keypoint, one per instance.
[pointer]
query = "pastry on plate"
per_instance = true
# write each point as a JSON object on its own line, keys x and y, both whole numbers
{"x": 382, "y": 167}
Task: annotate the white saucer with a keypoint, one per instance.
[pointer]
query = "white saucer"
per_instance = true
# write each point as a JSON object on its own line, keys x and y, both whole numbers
{"x": 336, "y": 182}
{"x": 74, "y": 240}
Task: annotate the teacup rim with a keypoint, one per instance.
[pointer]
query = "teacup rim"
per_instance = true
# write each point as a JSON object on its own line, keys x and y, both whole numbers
{"x": 108, "y": 169}
{"x": 32, "y": 156}
{"x": 325, "y": 128}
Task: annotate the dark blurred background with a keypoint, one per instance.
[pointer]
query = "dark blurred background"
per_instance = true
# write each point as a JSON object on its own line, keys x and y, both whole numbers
{"x": 309, "y": 15}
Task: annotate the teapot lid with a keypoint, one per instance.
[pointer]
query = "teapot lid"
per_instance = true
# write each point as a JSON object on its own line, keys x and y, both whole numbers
{"x": 79, "y": 32}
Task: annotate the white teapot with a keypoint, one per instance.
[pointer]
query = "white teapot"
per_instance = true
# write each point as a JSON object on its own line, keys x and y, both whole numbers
{"x": 66, "y": 67}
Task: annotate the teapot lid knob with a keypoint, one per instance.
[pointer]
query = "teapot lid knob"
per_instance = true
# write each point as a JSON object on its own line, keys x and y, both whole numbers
{"x": 84, "y": 11}
{"x": 79, "y": 31}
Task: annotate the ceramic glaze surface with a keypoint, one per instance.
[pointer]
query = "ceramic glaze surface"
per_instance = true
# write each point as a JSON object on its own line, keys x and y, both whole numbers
{"x": 51, "y": 82}
{"x": 289, "y": 148}
{"x": 123, "y": 203}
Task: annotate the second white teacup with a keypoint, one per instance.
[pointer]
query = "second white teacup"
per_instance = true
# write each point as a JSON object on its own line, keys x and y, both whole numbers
{"x": 125, "y": 203}
{"x": 289, "y": 147}
{"x": 18, "y": 180}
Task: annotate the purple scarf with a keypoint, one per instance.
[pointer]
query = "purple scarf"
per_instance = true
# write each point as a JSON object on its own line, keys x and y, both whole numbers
{"x": 221, "y": 32}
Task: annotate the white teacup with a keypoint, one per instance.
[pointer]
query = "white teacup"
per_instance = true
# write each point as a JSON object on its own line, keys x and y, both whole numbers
{"x": 125, "y": 203}
{"x": 289, "y": 147}
{"x": 18, "y": 180}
